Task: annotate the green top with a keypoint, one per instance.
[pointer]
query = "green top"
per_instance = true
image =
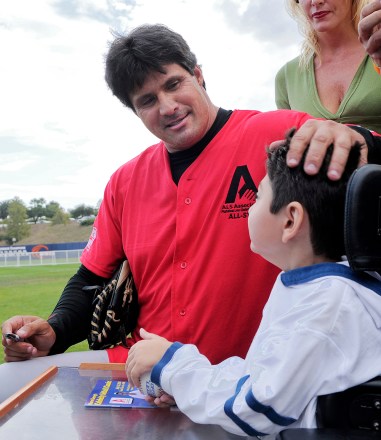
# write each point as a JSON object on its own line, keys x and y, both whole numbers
{"x": 295, "y": 88}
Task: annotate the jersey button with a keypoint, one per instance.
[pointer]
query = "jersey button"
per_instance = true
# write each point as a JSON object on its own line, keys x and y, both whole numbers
{"x": 182, "y": 312}
{"x": 188, "y": 201}
{"x": 183, "y": 264}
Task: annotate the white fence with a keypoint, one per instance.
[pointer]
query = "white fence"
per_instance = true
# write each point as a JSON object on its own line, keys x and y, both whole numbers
{"x": 10, "y": 259}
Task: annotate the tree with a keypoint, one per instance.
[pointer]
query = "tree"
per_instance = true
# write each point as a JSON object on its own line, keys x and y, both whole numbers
{"x": 17, "y": 227}
{"x": 82, "y": 211}
{"x": 37, "y": 209}
{"x": 60, "y": 217}
{"x": 4, "y": 209}
{"x": 98, "y": 205}
{"x": 52, "y": 208}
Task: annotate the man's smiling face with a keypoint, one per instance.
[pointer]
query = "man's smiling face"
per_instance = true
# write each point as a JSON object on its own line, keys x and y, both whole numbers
{"x": 175, "y": 107}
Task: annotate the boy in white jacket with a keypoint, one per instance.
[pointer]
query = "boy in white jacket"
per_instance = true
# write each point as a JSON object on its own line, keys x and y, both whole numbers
{"x": 320, "y": 332}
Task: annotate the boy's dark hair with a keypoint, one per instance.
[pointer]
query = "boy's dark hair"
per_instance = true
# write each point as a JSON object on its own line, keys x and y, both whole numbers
{"x": 145, "y": 49}
{"x": 323, "y": 199}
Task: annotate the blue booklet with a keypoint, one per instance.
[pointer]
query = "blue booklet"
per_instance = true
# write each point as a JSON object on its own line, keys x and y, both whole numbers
{"x": 116, "y": 394}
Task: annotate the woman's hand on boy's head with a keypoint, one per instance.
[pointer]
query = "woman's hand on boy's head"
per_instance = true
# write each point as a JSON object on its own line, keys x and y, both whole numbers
{"x": 319, "y": 135}
{"x": 144, "y": 355}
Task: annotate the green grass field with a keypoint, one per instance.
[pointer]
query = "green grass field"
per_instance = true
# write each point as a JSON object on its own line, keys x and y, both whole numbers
{"x": 33, "y": 291}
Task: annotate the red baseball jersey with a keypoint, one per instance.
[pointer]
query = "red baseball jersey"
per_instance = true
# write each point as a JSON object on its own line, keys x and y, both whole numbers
{"x": 188, "y": 244}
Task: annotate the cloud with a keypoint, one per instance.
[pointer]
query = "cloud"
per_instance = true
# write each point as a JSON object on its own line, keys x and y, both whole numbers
{"x": 111, "y": 12}
{"x": 62, "y": 133}
{"x": 266, "y": 20}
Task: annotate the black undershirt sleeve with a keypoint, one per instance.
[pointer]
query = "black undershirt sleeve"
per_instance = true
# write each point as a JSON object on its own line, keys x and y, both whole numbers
{"x": 71, "y": 316}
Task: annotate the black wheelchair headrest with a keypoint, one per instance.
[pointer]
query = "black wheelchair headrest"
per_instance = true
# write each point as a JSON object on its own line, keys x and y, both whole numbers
{"x": 362, "y": 222}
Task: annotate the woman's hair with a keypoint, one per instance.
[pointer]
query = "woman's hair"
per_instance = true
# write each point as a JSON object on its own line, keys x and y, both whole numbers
{"x": 310, "y": 46}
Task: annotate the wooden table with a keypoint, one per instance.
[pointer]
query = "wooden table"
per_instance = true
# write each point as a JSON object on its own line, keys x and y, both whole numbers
{"x": 55, "y": 410}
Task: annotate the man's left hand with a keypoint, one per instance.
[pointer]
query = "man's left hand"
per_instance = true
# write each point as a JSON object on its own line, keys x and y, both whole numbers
{"x": 319, "y": 135}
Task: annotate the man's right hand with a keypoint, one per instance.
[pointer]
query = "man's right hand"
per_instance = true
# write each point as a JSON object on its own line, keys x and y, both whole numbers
{"x": 37, "y": 334}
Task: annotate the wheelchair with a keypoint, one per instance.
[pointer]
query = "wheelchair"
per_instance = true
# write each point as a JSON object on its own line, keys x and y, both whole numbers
{"x": 354, "y": 414}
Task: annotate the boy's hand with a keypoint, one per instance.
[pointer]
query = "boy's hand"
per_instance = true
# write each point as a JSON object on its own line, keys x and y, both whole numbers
{"x": 163, "y": 401}
{"x": 144, "y": 355}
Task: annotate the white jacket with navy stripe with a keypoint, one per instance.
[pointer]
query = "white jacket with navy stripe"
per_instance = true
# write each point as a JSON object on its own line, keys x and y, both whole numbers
{"x": 320, "y": 333}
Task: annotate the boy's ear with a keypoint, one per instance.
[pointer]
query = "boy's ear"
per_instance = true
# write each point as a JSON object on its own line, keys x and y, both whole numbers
{"x": 294, "y": 215}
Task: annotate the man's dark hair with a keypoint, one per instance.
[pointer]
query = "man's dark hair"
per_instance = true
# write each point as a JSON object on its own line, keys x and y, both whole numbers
{"x": 323, "y": 199}
{"x": 146, "y": 49}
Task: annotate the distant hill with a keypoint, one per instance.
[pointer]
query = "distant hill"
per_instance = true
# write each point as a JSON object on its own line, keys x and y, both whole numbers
{"x": 46, "y": 233}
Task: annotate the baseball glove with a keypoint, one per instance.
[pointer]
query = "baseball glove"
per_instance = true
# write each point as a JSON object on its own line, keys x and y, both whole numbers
{"x": 115, "y": 310}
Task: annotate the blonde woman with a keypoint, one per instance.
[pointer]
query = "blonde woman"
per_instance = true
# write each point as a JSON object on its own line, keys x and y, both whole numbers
{"x": 333, "y": 78}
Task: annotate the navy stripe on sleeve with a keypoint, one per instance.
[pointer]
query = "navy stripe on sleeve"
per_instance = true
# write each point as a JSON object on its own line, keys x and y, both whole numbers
{"x": 228, "y": 408}
{"x": 267, "y": 411}
{"x": 168, "y": 355}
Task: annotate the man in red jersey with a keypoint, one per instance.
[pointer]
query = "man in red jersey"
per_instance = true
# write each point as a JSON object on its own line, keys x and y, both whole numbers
{"x": 178, "y": 213}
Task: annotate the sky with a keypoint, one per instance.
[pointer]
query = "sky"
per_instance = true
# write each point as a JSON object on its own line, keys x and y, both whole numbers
{"x": 63, "y": 133}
